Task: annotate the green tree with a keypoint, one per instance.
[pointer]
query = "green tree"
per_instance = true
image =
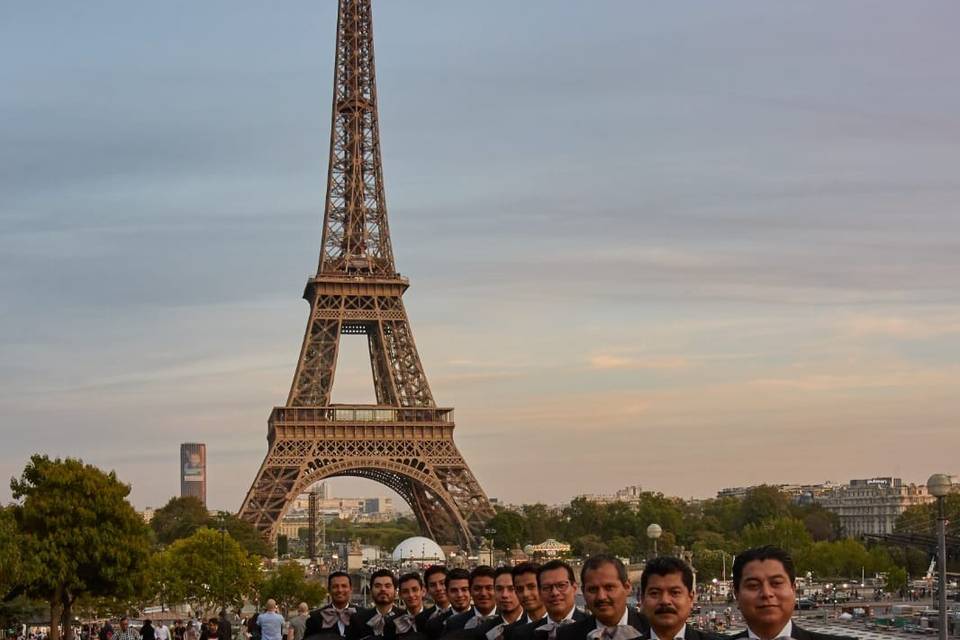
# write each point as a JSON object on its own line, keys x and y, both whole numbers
{"x": 11, "y": 558}
{"x": 179, "y": 518}
{"x": 896, "y": 579}
{"x": 289, "y": 587}
{"x": 820, "y": 523}
{"x": 243, "y": 532}
{"x": 763, "y": 503}
{"x": 541, "y": 523}
{"x": 510, "y": 529}
{"x": 82, "y": 537}
{"x": 784, "y": 532}
{"x": 208, "y": 569}
{"x": 589, "y": 545}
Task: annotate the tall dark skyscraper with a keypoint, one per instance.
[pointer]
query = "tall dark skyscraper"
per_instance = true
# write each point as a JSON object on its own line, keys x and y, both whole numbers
{"x": 193, "y": 470}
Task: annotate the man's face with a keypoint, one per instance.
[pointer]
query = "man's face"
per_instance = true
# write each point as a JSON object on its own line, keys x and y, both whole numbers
{"x": 212, "y": 626}
{"x": 507, "y": 600}
{"x": 766, "y": 595}
{"x": 525, "y": 585}
{"x": 437, "y": 588}
{"x": 482, "y": 591}
{"x": 667, "y": 602}
{"x": 340, "y": 591}
{"x": 605, "y": 594}
{"x": 459, "y": 593}
{"x": 412, "y": 595}
{"x": 383, "y": 590}
{"x": 124, "y": 623}
{"x": 557, "y": 592}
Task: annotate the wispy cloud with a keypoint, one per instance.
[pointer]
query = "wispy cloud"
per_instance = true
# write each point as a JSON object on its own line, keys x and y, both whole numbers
{"x": 616, "y": 361}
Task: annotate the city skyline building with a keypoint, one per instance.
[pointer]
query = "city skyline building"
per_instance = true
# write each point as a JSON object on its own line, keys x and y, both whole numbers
{"x": 193, "y": 471}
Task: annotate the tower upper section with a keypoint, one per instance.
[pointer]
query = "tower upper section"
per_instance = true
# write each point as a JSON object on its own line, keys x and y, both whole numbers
{"x": 356, "y": 238}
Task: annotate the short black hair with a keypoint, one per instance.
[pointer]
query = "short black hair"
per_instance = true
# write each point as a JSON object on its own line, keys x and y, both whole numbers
{"x": 767, "y": 552}
{"x": 483, "y": 571}
{"x": 436, "y": 568}
{"x": 664, "y": 566}
{"x": 526, "y": 567}
{"x": 502, "y": 571}
{"x": 383, "y": 573}
{"x": 337, "y": 574}
{"x": 458, "y": 574}
{"x": 553, "y": 565}
{"x": 595, "y": 562}
{"x": 407, "y": 577}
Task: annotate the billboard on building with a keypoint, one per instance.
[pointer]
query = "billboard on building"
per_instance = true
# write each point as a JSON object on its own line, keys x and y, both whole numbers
{"x": 193, "y": 470}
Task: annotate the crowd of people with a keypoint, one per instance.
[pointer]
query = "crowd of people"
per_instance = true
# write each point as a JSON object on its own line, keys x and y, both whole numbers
{"x": 538, "y": 602}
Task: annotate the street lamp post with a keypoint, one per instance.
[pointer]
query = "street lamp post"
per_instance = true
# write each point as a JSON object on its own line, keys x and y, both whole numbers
{"x": 939, "y": 486}
{"x": 654, "y": 531}
{"x": 223, "y": 534}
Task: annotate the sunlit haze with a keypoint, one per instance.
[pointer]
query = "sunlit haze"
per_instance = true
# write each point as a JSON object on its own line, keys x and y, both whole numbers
{"x": 680, "y": 245}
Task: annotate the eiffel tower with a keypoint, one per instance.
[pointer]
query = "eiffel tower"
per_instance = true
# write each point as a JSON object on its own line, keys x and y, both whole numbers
{"x": 404, "y": 441}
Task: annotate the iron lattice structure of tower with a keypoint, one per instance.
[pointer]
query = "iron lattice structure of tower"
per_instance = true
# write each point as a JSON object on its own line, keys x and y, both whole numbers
{"x": 404, "y": 441}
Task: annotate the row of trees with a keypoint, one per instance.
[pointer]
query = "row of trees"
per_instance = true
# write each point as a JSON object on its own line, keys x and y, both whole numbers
{"x": 73, "y": 542}
{"x": 714, "y": 530}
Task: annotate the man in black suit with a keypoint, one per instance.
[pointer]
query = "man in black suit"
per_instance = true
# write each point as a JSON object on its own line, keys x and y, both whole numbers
{"x": 509, "y": 611}
{"x": 333, "y": 619}
{"x": 435, "y": 579}
{"x": 484, "y": 605}
{"x": 667, "y": 597}
{"x": 377, "y": 622}
{"x": 605, "y": 589}
{"x": 410, "y": 625}
{"x": 764, "y": 582}
{"x": 456, "y": 591}
{"x": 525, "y": 585}
{"x": 557, "y": 585}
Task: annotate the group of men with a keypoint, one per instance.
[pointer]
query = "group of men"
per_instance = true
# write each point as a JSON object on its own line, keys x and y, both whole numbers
{"x": 537, "y": 602}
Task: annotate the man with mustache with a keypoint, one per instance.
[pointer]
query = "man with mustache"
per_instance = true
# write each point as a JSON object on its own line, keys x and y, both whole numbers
{"x": 667, "y": 597}
{"x": 332, "y": 619}
{"x": 557, "y": 585}
{"x": 605, "y": 589}
{"x": 764, "y": 585}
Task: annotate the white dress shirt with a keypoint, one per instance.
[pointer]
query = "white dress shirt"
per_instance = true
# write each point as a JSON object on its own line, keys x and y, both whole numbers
{"x": 680, "y": 634}
{"x": 786, "y": 632}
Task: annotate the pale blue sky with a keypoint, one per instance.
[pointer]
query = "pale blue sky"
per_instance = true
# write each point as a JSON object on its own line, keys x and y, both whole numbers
{"x": 683, "y": 245}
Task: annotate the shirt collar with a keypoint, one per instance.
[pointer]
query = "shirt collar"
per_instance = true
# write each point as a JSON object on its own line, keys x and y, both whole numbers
{"x": 623, "y": 621}
{"x": 786, "y": 632}
{"x": 569, "y": 615}
{"x": 477, "y": 613}
{"x": 680, "y": 634}
{"x": 545, "y": 616}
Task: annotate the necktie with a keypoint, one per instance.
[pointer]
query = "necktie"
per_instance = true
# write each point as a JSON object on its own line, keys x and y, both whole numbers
{"x": 331, "y": 616}
{"x": 405, "y": 623}
{"x": 550, "y": 627}
{"x": 497, "y": 632}
{"x": 619, "y": 632}
{"x": 476, "y": 620}
{"x": 377, "y": 621}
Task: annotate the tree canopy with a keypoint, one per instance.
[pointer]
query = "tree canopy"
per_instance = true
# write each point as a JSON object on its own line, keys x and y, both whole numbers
{"x": 82, "y": 538}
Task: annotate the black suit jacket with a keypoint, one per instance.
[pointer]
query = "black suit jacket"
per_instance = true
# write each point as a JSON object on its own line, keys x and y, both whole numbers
{"x": 799, "y": 634}
{"x": 314, "y": 625}
{"x": 528, "y": 631}
{"x": 454, "y": 626}
{"x": 434, "y": 626}
{"x": 359, "y": 630}
{"x": 580, "y": 629}
{"x": 482, "y": 629}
